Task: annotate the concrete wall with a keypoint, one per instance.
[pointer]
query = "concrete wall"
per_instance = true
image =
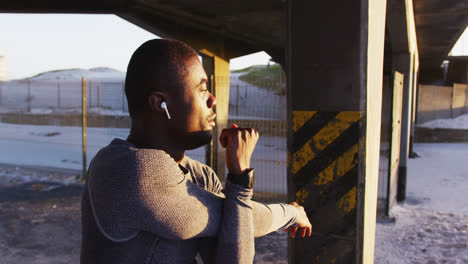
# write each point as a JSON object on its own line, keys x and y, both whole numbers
{"x": 437, "y": 102}
{"x": 460, "y": 99}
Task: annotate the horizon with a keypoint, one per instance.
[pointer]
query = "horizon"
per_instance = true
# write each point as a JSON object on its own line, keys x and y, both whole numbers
{"x": 98, "y": 67}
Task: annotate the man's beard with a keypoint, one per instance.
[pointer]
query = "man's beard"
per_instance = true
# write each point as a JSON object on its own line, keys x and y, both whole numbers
{"x": 195, "y": 140}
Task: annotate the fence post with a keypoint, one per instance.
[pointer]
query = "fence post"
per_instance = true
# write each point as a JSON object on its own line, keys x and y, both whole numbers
{"x": 466, "y": 100}
{"x": 83, "y": 124}
{"x": 245, "y": 92}
{"x": 58, "y": 95}
{"x": 452, "y": 101}
{"x": 28, "y": 99}
{"x": 98, "y": 95}
{"x": 123, "y": 96}
{"x": 237, "y": 100}
{"x": 90, "y": 92}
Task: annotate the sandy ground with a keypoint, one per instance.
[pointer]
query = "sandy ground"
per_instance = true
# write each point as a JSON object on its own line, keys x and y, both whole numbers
{"x": 460, "y": 122}
{"x": 432, "y": 225}
{"x": 422, "y": 236}
{"x": 40, "y": 219}
{"x": 40, "y": 216}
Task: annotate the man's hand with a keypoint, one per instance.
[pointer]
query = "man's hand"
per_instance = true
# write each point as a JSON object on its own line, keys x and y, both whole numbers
{"x": 240, "y": 144}
{"x": 302, "y": 223}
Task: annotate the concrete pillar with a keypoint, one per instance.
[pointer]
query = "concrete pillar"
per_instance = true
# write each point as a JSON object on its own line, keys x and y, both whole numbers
{"x": 217, "y": 70}
{"x": 334, "y": 69}
{"x": 415, "y": 73}
{"x": 403, "y": 63}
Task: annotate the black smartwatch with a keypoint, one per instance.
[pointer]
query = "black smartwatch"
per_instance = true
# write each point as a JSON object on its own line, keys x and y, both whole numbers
{"x": 246, "y": 179}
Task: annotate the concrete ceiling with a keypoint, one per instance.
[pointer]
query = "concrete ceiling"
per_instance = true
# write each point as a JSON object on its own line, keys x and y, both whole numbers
{"x": 439, "y": 24}
{"x": 241, "y": 27}
{"x": 245, "y": 26}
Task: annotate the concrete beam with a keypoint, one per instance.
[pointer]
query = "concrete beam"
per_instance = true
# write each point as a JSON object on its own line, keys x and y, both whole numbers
{"x": 59, "y": 6}
{"x": 439, "y": 24}
{"x": 334, "y": 76}
{"x": 200, "y": 34}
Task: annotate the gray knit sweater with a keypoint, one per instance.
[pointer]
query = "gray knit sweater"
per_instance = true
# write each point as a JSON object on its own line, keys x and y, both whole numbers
{"x": 140, "y": 206}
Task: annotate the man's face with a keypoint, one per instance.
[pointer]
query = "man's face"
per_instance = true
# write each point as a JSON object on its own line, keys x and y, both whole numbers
{"x": 192, "y": 105}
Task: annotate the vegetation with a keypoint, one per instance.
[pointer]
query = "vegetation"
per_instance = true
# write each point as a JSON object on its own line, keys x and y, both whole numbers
{"x": 243, "y": 70}
{"x": 267, "y": 77}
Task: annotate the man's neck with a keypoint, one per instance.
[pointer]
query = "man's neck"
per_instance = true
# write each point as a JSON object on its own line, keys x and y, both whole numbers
{"x": 151, "y": 139}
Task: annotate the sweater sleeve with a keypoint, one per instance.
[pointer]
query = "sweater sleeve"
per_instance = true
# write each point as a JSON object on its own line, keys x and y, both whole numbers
{"x": 271, "y": 217}
{"x": 146, "y": 190}
{"x": 236, "y": 236}
{"x": 267, "y": 217}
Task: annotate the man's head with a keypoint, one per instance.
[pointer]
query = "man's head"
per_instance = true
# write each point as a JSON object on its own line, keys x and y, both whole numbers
{"x": 169, "y": 71}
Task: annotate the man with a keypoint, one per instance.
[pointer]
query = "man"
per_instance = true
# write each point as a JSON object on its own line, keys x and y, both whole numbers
{"x": 146, "y": 202}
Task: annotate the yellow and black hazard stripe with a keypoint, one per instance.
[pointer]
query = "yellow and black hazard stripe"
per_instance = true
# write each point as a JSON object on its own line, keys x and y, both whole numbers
{"x": 324, "y": 157}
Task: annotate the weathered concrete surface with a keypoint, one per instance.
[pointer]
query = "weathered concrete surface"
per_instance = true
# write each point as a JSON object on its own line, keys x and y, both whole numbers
{"x": 334, "y": 99}
{"x": 440, "y": 135}
{"x": 440, "y": 102}
{"x": 40, "y": 222}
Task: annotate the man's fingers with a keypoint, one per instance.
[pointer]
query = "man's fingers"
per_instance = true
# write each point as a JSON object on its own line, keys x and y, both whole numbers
{"x": 227, "y": 134}
{"x": 309, "y": 231}
{"x": 223, "y": 138}
{"x": 293, "y": 230}
{"x": 303, "y": 231}
{"x": 294, "y": 204}
{"x": 236, "y": 134}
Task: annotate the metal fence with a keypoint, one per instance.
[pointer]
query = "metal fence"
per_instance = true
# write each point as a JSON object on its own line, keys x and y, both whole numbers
{"x": 42, "y": 119}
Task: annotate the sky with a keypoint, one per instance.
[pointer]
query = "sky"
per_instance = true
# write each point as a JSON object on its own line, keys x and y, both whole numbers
{"x": 461, "y": 47}
{"x": 35, "y": 43}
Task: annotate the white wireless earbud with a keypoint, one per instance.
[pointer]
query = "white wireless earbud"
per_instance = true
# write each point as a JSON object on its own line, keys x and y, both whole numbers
{"x": 164, "y": 106}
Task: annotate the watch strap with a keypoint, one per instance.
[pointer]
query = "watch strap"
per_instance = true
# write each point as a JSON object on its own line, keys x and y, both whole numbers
{"x": 246, "y": 179}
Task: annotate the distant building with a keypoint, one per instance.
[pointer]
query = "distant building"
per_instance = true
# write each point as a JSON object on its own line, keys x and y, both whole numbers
{"x": 3, "y": 69}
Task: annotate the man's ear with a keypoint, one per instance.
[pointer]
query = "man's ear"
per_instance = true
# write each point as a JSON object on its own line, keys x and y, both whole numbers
{"x": 154, "y": 101}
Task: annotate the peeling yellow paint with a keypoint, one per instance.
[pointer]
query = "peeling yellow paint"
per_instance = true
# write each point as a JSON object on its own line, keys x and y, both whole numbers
{"x": 335, "y": 128}
{"x": 339, "y": 167}
{"x": 301, "y": 196}
{"x": 323, "y": 138}
{"x": 302, "y": 157}
{"x": 300, "y": 117}
{"x": 347, "y": 203}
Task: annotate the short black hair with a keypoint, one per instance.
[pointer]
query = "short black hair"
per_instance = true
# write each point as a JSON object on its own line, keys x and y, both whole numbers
{"x": 157, "y": 65}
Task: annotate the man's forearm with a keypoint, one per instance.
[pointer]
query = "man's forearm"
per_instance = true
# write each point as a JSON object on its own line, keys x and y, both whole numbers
{"x": 271, "y": 217}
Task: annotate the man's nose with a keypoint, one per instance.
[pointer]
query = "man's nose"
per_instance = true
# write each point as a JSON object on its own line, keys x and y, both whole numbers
{"x": 211, "y": 101}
